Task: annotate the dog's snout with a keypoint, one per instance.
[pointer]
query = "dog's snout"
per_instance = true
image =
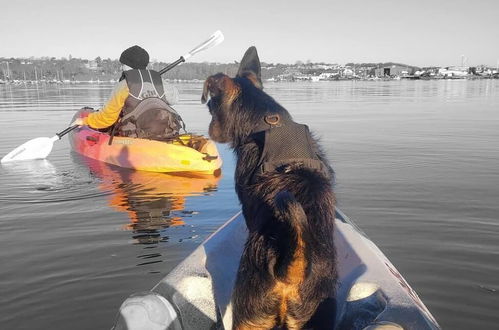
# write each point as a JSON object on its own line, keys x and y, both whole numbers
{"x": 209, "y": 104}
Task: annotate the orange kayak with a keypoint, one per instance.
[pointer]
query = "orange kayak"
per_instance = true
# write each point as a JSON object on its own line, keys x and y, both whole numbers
{"x": 188, "y": 154}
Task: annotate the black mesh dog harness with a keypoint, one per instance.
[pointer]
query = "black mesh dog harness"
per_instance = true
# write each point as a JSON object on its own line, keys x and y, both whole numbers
{"x": 285, "y": 144}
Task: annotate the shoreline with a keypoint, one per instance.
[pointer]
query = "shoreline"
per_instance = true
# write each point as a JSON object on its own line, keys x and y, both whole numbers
{"x": 271, "y": 80}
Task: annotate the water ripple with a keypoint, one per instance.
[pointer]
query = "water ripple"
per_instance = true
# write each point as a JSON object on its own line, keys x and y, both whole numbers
{"x": 38, "y": 181}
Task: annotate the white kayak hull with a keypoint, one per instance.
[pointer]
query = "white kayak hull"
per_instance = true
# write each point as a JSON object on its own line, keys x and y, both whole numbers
{"x": 371, "y": 293}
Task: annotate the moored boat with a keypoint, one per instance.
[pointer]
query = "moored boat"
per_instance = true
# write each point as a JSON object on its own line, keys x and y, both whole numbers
{"x": 188, "y": 153}
{"x": 371, "y": 293}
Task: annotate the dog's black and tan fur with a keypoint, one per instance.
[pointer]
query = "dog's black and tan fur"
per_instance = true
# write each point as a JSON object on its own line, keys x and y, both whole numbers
{"x": 288, "y": 265}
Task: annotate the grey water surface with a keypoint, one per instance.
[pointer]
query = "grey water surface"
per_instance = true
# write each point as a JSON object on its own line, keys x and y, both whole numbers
{"x": 416, "y": 168}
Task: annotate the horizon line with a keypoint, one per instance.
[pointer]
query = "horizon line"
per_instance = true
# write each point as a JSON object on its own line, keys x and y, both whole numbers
{"x": 297, "y": 62}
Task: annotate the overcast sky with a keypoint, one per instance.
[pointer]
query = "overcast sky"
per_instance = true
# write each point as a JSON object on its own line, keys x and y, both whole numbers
{"x": 417, "y": 32}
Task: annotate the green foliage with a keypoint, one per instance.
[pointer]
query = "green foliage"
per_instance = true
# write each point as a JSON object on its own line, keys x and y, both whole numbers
{"x": 75, "y": 69}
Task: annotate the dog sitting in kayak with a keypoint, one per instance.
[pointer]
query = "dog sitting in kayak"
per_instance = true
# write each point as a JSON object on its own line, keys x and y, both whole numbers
{"x": 284, "y": 184}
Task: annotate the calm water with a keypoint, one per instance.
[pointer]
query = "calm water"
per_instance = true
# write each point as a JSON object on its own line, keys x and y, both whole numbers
{"x": 417, "y": 169}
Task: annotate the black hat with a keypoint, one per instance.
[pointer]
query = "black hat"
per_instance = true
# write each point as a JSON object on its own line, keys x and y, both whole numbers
{"x": 135, "y": 57}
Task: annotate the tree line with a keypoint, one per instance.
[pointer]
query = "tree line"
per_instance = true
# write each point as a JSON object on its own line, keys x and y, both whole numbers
{"x": 75, "y": 69}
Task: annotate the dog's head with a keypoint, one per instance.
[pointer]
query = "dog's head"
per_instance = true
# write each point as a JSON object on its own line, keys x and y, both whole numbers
{"x": 237, "y": 105}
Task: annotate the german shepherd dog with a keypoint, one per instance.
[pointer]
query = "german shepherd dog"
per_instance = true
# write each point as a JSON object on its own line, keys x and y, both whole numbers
{"x": 284, "y": 184}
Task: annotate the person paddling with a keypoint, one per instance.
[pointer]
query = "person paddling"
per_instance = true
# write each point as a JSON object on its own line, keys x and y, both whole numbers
{"x": 137, "y": 106}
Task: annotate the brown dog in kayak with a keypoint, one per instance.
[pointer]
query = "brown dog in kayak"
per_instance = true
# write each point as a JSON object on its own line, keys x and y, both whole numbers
{"x": 284, "y": 184}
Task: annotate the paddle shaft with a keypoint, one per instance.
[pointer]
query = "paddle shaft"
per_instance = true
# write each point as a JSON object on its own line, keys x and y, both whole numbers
{"x": 66, "y": 131}
{"x": 172, "y": 65}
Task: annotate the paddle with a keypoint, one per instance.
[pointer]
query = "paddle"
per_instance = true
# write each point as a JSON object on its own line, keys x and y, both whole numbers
{"x": 41, "y": 147}
{"x": 212, "y": 41}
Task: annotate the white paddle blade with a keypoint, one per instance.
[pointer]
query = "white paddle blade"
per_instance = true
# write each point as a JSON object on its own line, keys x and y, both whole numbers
{"x": 38, "y": 148}
{"x": 215, "y": 39}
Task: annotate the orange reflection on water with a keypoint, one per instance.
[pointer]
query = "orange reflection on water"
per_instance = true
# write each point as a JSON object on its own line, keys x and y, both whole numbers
{"x": 152, "y": 201}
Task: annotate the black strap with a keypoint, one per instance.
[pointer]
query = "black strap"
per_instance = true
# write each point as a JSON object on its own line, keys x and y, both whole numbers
{"x": 113, "y": 130}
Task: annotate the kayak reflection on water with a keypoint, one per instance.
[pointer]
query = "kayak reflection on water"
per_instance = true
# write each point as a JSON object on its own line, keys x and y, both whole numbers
{"x": 152, "y": 201}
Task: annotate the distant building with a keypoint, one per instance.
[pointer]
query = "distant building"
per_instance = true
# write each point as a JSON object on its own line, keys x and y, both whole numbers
{"x": 392, "y": 71}
{"x": 431, "y": 70}
{"x": 455, "y": 71}
{"x": 92, "y": 65}
{"x": 328, "y": 75}
{"x": 348, "y": 72}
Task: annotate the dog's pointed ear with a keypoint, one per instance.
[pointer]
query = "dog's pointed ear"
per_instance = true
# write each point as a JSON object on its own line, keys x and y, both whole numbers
{"x": 250, "y": 67}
